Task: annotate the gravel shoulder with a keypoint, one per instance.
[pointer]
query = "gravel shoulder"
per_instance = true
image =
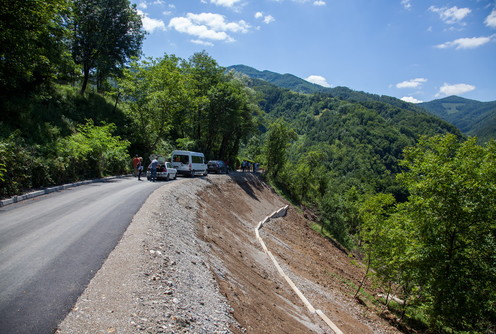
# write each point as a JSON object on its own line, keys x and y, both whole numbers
{"x": 157, "y": 279}
{"x": 190, "y": 263}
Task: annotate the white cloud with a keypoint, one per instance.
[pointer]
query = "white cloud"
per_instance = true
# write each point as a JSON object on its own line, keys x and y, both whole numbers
{"x": 208, "y": 26}
{"x": 451, "y": 15}
{"x": 456, "y": 89}
{"x": 200, "y": 42}
{"x": 149, "y": 24}
{"x": 406, "y": 4}
{"x": 413, "y": 83}
{"x": 225, "y": 3}
{"x": 319, "y": 80}
{"x": 410, "y": 99}
{"x": 491, "y": 19}
{"x": 142, "y": 5}
{"x": 319, "y": 3}
{"x": 269, "y": 19}
{"x": 466, "y": 43}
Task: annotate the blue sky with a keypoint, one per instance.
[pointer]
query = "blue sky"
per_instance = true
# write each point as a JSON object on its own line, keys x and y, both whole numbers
{"x": 411, "y": 49}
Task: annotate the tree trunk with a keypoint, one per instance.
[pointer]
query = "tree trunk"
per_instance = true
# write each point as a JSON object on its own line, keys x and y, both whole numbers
{"x": 86, "y": 75}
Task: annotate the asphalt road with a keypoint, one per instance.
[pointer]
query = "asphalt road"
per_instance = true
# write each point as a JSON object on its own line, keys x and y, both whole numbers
{"x": 51, "y": 246}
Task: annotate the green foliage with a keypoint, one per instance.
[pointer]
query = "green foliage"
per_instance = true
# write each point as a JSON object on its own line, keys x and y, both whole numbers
{"x": 32, "y": 49}
{"x": 92, "y": 151}
{"x": 106, "y": 34}
{"x": 451, "y": 211}
{"x": 471, "y": 117}
{"x": 275, "y": 148}
{"x": 192, "y": 103}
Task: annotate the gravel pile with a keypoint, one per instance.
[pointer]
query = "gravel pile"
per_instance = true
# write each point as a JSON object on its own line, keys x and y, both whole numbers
{"x": 158, "y": 279}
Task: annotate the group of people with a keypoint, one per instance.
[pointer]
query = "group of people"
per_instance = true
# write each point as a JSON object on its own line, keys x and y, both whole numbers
{"x": 138, "y": 168}
{"x": 246, "y": 166}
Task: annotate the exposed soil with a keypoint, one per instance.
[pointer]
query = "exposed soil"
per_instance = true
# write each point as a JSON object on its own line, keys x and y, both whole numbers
{"x": 190, "y": 263}
{"x": 262, "y": 300}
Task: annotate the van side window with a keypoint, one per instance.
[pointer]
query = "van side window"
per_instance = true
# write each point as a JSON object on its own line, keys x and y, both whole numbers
{"x": 197, "y": 159}
{"x": 181, "y": 158}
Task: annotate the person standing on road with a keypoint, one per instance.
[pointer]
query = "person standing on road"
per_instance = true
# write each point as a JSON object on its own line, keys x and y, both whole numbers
{"x": 140, "y": 168}
{"x": 153, "y": 170}
{"x": 135, "y": 165}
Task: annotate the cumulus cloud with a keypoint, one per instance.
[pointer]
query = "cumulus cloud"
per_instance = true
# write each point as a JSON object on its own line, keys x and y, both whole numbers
{"x": 266, "y": 18}
{"x": 451, "y": 15}
{"x": 149, "y": 24}
{"x": 466, "y": 43}
{"x": 456, "y": 89}
{"x": 319, "y": 3}
{"x": 225, "y": 3}
{"x": 208, "y": 26}
{"x": 490, "y": 21}
{"x": 410, "y": 99}
{"x": 413, "y": 83}
{"x": 319, "y": 80}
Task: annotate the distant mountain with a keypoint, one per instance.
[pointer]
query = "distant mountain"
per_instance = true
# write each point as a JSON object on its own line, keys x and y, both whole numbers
{"x": 298, "y": 85}
{"x": 288, "y": 81}
{"x": 472, "y": 117}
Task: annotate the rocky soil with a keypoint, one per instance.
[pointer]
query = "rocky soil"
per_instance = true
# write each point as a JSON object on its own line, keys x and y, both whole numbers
{"x": 190, "y": 263}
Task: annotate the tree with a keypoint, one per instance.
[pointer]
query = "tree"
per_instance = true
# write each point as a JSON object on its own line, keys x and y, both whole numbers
{"x": 107, "y": 33}
{"x": 32, "y": 44}
{"x": 277, "y": 141}
{"x": 451, "y": 214}
{"x": 156, "y": 98}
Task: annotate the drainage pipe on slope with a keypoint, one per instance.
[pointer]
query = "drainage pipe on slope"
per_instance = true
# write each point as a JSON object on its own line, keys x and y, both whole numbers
{"x": 281, "y": 213}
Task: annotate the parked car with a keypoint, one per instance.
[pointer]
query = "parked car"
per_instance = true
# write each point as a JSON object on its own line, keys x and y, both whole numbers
{"x": 217, "y": 166}
{"x": 165, "y": 171}
{"x": 189, "y": 163}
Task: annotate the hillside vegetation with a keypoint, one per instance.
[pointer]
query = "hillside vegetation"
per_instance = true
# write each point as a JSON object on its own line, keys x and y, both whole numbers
{"x": 402, "y": 188}
{"x": 473, "y": 118}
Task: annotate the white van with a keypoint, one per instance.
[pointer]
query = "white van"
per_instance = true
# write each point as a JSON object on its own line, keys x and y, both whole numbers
{"x": 189, "y": 163}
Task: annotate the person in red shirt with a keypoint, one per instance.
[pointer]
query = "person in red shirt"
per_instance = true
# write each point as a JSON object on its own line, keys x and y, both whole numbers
{"x": 135, "y": 165}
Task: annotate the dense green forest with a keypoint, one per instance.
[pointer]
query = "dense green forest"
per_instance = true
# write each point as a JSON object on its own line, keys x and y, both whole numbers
{"x": 473, "y": 118}
{"x": 399, "y": 187}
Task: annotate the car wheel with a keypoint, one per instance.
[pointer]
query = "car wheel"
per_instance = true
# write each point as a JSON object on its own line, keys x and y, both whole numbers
{"x": 175, "y": 176}
{"x": 167, "y": 178}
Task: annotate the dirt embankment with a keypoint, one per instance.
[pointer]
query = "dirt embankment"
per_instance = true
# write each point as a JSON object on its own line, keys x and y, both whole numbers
{"x": 190, "y": 263}
{"x": 262, "y": 300}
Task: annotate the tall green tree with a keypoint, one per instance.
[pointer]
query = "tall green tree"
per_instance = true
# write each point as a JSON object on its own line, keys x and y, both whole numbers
{"x": 156, "y": 97}
{"x": 278, "y": 139}
{"x": 106, "y": 34}
{"x": 32, "y": 44}
{"x": 451, "y": 211}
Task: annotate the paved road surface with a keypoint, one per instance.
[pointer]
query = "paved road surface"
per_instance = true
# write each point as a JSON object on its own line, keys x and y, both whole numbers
{"x": 51, "y": 246}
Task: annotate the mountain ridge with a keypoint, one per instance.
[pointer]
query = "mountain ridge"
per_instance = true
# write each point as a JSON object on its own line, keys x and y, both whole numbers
{"x": 472, "y": 117}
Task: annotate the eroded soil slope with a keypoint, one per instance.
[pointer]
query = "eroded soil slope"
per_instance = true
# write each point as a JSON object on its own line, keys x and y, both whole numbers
{"x": 262, "y": 301}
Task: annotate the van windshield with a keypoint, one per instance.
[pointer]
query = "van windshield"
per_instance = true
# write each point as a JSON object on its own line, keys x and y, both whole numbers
{"x": 181, "y": 158}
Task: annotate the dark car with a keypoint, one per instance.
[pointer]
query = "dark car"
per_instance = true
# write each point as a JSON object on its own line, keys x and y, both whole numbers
{"x": 217, "y": 166}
